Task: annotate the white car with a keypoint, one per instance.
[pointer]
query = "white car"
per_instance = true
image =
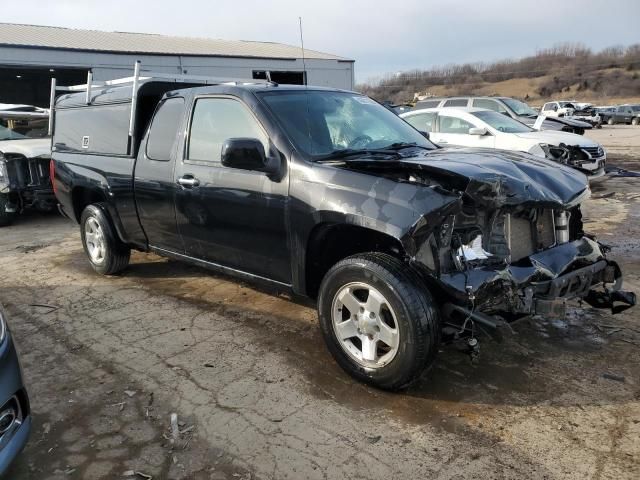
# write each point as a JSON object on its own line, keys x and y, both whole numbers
{"x": 477, "y": 127}
{"x": 558, "y": 109}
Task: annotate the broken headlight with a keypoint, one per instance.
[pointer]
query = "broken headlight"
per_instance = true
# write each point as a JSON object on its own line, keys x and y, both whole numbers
{"x": 552, "y": 152}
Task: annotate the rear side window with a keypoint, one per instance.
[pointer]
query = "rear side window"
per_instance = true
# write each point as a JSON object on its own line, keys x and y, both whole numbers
{"x": 422, "y": 121}
{"x": 454, "y": 125}
{"x": 428, "y": 104}
{"x": 164, "y": 129}
{"x": 488, "y": 104}
{"x": 456, "y": 102}
{"x": 216, "y": 120}
{"x": 548, "y": 106}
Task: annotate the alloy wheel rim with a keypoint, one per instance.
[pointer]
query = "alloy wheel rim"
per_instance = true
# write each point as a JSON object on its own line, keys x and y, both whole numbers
{"x": 94, "y": 237}
{"x": 365, "y": 325}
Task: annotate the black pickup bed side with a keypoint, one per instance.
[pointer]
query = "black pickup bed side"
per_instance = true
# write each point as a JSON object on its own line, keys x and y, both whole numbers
{"x": 96, "y": 165}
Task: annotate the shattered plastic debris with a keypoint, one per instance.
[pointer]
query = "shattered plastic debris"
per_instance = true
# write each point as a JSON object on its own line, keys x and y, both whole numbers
{"x": 133, "y": 473}
{"x": 175, "y": 428}
{"x": 474, "y": 250}
{"x": 614, "y": 377}
{"x": 613, "y": 171}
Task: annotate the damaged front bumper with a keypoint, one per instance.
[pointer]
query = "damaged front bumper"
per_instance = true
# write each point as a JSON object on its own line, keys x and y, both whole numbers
{"x": 542, "y": 282}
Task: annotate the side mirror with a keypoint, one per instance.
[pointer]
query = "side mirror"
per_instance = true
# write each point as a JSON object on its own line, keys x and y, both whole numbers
{"x": 247, "y": 154}
{"x": 477, "y": 131}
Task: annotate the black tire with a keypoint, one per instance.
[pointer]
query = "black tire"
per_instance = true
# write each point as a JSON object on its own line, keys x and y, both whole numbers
{"x": 635, "y": 121}
{"x": 116, "y": 254}
{"x": 611, "y": 122}
{"x": 5, "y": 217}
{"x": 418, "y": 319}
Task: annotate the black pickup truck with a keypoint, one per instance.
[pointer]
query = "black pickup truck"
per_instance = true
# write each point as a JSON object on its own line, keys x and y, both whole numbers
{"x": 328, "y": 195}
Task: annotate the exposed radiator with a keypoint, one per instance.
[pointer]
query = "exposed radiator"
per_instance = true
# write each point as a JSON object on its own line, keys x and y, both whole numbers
{"x": 526, "y": 237}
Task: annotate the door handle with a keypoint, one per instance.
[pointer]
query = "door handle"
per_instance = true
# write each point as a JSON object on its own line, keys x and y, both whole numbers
{"x": 188, "y": 181}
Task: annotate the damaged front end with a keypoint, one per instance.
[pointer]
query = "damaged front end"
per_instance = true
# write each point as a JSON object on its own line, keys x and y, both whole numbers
{"x": 513, "y": 245}
{"x": 25, "y": 183}
{"x": 589, "y": 160}
{"x": 25, "y": 153}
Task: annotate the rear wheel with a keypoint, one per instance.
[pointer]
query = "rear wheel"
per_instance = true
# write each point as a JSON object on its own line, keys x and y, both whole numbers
{"x": 5, "y": 217}
{"x": 378, "y": 321}
{"x": 106, "y": 253}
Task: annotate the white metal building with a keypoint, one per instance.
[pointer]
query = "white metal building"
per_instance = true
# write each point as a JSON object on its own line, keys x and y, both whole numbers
{"x": 31, "y": 55}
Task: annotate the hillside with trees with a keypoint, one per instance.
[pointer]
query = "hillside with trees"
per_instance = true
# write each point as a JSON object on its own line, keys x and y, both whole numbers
{"x": 566, "y": 71}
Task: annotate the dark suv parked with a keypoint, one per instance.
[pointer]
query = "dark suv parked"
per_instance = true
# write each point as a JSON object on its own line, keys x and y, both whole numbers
{"x": 626, "y": 114}
{"x": 329, "y": 195}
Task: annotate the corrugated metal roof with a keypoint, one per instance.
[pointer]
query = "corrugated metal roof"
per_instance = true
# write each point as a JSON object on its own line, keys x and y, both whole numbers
{"x": 122, "y": 42}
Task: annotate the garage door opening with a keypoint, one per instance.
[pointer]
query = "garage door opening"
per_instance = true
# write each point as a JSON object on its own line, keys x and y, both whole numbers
{"x": 32, "y": 86}
{"x": 279, "y": 76}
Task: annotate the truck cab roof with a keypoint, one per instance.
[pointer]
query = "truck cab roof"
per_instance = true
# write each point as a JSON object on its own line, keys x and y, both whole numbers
{"x": 123, "y": 92}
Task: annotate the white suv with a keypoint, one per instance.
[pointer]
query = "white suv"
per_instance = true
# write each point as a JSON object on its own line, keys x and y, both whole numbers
{"x": 558, "y": 109}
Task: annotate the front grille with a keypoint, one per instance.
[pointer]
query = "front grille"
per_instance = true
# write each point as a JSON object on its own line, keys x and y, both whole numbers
{"x": 594, "y": 152}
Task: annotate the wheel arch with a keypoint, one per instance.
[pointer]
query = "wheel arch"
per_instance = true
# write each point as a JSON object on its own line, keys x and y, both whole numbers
{"x": 331, "y": 241}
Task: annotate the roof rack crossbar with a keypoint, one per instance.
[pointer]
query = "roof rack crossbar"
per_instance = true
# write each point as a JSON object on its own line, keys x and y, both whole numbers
{"x": 136, "y": 80}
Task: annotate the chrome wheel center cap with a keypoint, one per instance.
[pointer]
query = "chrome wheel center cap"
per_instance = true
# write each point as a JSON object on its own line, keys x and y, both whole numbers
{"x": 367, "y": 323}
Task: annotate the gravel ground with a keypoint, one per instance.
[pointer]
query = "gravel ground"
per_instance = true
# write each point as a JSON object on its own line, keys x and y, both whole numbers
{"x": 108, "y": 360}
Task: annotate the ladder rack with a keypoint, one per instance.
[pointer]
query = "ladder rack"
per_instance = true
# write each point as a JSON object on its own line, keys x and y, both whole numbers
{"x": 136, "y": 80}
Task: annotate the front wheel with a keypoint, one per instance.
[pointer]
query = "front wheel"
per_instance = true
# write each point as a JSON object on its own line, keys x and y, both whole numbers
{"x": 635, "y": 121}
{"x": 610, "y": 122}
{"x": 378, "y": 321}
{"x": 107, "y": 254}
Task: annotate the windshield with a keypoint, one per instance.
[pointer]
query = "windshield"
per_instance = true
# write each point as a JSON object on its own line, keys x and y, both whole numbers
{"x": 17, "y": 128}
{"x": 519, "y": 108}
{"x": 322, "y": 123}
{"x": 501, "y": 122}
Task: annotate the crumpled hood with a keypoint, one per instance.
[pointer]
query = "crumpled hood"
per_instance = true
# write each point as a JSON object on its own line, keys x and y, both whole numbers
{"x": 498, "y": 177}
{"x": 29, "y": 147}
{"x": 556, "y": 137}
{"x": 559, "y": 121}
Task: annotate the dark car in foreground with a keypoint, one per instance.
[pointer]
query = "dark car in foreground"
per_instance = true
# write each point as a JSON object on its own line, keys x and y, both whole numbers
{"x": 508, "y": 106}
{"x": 15, "y": 418}
{"x": 327, "y": 194}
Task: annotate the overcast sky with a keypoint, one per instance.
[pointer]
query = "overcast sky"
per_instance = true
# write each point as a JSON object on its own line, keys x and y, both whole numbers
{"x": 382, "y": 36}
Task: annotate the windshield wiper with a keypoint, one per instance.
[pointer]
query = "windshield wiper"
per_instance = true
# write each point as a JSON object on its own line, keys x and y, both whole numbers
{"x": 401, "y": 145}
{"x": 349, "y": 152}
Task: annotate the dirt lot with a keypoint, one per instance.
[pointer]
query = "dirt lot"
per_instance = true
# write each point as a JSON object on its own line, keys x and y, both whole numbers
{"x": 107, "y": 360}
